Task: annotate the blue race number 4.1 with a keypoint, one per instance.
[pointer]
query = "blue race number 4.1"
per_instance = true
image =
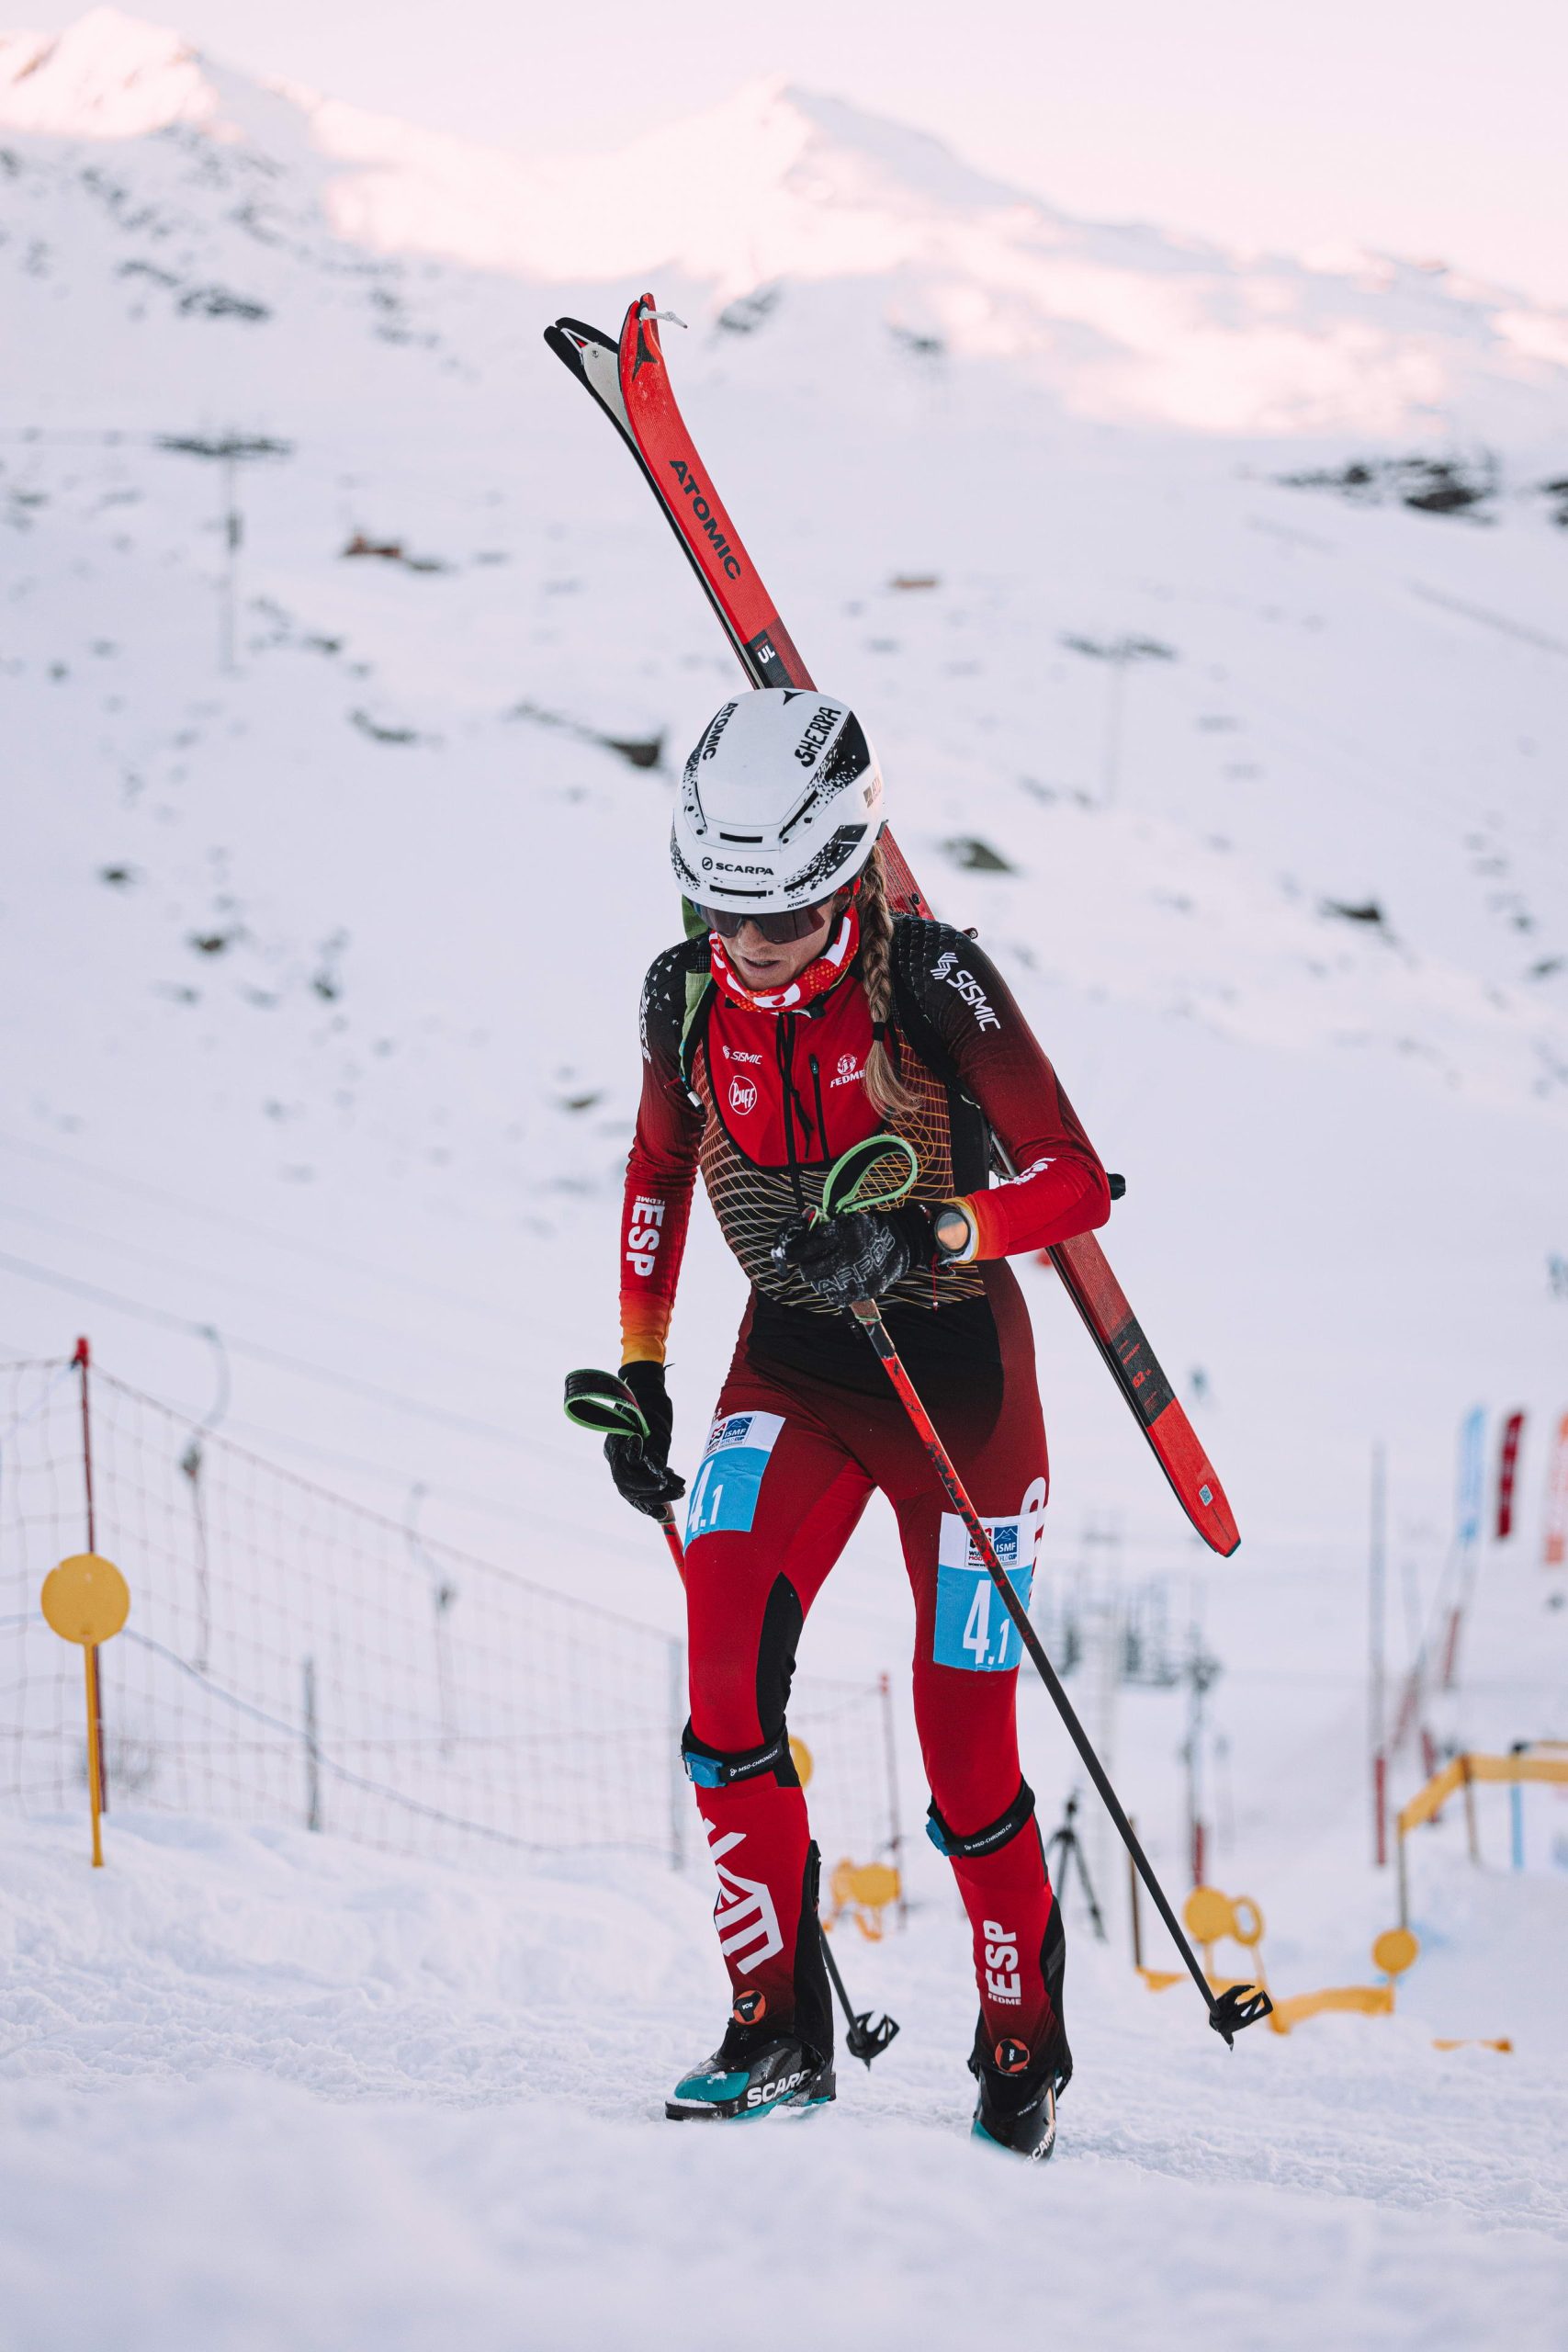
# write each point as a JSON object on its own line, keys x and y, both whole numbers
{"x": 974, "y": 1631}
{"x": 723, "y": 1499}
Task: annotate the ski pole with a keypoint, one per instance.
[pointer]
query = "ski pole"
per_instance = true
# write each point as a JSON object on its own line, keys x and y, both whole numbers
{"x": 1228, "y": 2011}
{"x": 875, "y": 1174}
{"x": 600, "y": 1402}
{"x": 862, "y": 2040}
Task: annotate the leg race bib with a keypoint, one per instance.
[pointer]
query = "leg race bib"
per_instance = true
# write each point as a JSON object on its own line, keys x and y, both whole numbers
{"x": 723, "y": 1499}
{"x": 972, "y": 1628}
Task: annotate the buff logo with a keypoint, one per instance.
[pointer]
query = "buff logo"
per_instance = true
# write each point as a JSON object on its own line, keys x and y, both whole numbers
{"x": 968, "y": 988}
{"x": 642, "y": 1235}
{"x": 818, "y": 731}
{"x": 742, "y": 1095}
{"x": 704, "y": 516}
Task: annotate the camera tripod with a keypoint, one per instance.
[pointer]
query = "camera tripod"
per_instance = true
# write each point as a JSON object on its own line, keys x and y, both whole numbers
{"x": 1066, "y": 1839}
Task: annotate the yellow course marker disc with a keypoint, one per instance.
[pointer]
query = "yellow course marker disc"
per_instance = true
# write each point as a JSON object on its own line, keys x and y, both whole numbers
{"x": 801, "y": 1756}
{"x": 1209, "y": 1915}
{"x": 86, "y": 1599}
{"x": 1395, "y": 1950}
{"x": 873, "y": 1883}
{"x": 1247, "y": 1921}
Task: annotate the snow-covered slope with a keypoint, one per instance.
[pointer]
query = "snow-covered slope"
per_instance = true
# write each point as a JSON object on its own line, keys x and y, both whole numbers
{"x": 1195, "y": 709}
{"x": 1267, "y": 734}
{"x": 313, "y": 2097}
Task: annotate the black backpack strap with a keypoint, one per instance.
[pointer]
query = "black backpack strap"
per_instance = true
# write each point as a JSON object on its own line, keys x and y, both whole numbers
{"x": 694, "y": 1028}
{"x": 971, "y": 1142}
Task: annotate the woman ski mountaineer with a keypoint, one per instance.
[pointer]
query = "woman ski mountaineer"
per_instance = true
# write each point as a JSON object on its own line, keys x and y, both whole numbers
{"x": 800, "y": 1019}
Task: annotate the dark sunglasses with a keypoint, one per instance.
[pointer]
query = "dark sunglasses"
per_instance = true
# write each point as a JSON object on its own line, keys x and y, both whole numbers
{"x": 777, "y": 930}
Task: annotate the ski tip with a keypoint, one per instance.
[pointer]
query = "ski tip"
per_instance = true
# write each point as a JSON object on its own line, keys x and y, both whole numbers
{"x": 639, "y": 334}
{"x": 569, "y": 338}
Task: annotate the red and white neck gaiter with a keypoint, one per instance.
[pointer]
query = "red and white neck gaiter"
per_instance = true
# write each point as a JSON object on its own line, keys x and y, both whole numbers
{"x": 823, "y": 973}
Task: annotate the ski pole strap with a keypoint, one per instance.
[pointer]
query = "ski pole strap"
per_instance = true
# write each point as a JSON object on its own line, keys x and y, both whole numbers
{"x": 602, "y": 1402}
{"x": 980, "y": 1841}
{"x": 876, "y": 1173}
{"x": 706, "y": 1767}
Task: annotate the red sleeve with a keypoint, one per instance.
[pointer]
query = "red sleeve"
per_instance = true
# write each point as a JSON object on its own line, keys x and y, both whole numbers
{"x": 661, "y": 1171}
{"x": 1060, "y": 1188}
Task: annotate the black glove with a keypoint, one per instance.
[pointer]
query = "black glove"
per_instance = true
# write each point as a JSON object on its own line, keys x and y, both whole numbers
{"x": 640, "y": 1466}
{"x": 859, "y": 1256}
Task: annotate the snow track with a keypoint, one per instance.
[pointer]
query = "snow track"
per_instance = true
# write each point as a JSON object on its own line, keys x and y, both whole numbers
{"x": 285, "y": 2091}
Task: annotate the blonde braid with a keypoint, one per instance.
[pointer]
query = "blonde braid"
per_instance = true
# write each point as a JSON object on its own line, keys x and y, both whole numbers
{"x": 886, "y": 1091}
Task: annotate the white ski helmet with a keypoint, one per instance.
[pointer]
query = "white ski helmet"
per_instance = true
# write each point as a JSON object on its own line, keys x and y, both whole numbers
{"x": 780, "y": 805}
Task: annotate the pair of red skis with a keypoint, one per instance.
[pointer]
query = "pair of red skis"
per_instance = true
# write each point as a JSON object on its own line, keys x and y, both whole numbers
{"x": 631, "y": 384}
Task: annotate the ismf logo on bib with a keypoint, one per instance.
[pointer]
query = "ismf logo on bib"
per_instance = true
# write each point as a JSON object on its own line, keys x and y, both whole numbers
{"x": 972, "y": 1628}
{"x": 723, "y": 1494}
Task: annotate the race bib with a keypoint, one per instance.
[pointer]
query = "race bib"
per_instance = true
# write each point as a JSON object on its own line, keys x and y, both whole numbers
{"x": 723, "y": 1501}
{"x": 972, "y": 1628}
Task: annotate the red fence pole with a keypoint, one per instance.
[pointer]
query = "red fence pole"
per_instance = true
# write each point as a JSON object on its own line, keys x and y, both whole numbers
{"x": 83, "y": 1360}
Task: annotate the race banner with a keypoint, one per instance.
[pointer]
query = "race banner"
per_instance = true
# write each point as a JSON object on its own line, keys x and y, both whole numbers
{"x": 1472, "y": 1437}
{"x": 1508, "y": 1467}
{"x": 1554, "y": 1543}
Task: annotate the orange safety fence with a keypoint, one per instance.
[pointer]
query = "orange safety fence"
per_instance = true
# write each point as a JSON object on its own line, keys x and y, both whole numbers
{"x": 1461, "y": 1772}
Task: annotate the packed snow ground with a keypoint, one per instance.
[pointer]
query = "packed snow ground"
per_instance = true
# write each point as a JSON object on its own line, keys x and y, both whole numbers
{"x": 317, "y": 990}
{"x": 289, "y": 2092}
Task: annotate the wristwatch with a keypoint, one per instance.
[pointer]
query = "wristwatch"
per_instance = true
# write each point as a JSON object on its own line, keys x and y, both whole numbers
{"x": 954, "y": 1233}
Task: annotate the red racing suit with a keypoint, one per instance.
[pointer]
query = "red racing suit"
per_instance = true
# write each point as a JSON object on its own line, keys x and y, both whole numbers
{"x": 807, "y": 1427}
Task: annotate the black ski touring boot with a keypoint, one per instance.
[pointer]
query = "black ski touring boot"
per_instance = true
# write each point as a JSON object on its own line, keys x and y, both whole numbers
{"x": 1020, "y": 2086}
{"x": 1017, "y": 2106}
{"x": 756, "y": 2069}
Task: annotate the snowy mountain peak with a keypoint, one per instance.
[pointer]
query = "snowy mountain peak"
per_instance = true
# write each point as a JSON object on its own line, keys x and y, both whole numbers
{"x": 107, "y": 76}
{"x": 813, "y": 128}
{"x": 778, "y": 187}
